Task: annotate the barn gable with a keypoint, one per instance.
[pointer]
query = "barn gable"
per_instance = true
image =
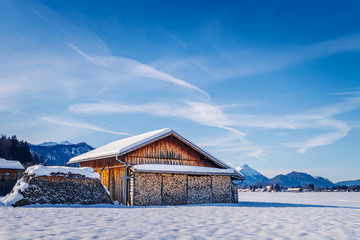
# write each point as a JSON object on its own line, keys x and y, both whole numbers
{"x": 163, "y": 146}
{"x": 169, "y": 150}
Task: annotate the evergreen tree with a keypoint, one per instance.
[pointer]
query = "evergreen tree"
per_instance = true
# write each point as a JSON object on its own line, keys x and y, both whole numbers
{"x": 13, "y": 149}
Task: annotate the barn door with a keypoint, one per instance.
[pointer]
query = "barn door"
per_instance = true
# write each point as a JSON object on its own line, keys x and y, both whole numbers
{"x": 125, "y": 188}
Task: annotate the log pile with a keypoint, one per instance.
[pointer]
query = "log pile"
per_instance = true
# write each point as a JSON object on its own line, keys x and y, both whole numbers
{"x": 179, "y": 189}
{"x": 199, "y": 189}
{"x": 174, "y": 189}
{"x": 147, "y": 189}
{"x": 221, "y": 189}
{"x": 61, "y": 189}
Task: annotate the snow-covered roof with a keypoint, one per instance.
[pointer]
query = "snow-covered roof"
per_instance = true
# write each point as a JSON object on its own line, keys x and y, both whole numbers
{"x": 10, "y": 164}
{"x": 40, "y": 170}
{"x": 181, "y": 169}
{"x": 122, "y": 146}
{"x": 126, "y": 145}
{"x": 129, "y": 144}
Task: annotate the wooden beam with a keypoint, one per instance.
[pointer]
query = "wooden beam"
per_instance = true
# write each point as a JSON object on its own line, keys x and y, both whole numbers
{"x": 212, "y": 196}
{"x": 161, "y": 191}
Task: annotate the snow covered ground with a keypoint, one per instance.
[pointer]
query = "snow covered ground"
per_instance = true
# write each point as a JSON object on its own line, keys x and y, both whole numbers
{"x": 257, "y": 216}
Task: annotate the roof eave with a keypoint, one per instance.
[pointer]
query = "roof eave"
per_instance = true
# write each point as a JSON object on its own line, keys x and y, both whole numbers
{"x": 9, "y": 168}
{"x": 182, "y": 172}
{"x": 92, "y": 159}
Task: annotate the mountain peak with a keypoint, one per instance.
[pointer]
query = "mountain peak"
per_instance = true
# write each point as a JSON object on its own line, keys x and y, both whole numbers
{"x": 47, "y": 144}
{"x": 294, "y": 179}
{"x": 252, "y": 176}
{"x": 247, "y": 170}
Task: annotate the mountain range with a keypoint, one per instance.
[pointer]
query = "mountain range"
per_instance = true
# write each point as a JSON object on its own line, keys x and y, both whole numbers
{"x": 349, "y": 183}
{"x": 58, "y": 154}
{"x": 292, "y": 179}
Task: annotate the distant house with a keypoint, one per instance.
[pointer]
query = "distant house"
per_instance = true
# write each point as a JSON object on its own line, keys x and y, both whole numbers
{"x": 293, "y": 190}
{"x": 10, "y": 172}
{"x": 161, "y": 168}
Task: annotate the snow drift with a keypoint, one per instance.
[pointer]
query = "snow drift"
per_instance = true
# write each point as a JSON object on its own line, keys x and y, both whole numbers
{"x": 57, "y": 185}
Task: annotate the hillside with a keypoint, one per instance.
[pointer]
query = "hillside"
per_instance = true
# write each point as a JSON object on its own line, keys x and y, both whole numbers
{"x": 52, "y": 153}
{"x": 348, "y": 183}
{"x": 294, "y": 179}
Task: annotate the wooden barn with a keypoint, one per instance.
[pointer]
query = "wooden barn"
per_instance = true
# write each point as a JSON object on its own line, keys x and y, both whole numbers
{"x": 10, "y": 172}
{"x": 161, "y": 168}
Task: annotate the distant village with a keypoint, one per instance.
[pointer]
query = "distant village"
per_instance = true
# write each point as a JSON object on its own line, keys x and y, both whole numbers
{"x": 308, "y": 188}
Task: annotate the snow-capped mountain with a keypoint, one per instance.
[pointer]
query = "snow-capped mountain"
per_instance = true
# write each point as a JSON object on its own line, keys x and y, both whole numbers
{"x": 348, "y": 183}
{"x": 58, "y": 154}
{"x": 295, "y": 179}
{"x": 50, "y": 144}
{"x": 252, "y": 177}
{"x": 47, "y": 144}
{"x": 292, "y": 179}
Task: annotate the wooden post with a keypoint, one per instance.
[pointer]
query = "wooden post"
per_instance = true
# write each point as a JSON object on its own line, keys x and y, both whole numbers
{"x": 120, "y": 191}
{"x": 133, "y": 198}
{"x": 161, "y": 191}
{"x": 230, "y": 189}
{"x": 187, "y": 184}
{"x": 211, "y": 186}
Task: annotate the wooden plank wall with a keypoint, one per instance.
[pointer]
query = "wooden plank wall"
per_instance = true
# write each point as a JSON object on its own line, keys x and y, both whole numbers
{"x": 169, "y": 151}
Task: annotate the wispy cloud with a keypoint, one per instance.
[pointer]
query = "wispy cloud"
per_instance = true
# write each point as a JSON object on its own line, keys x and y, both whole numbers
{"x": 135, "y": 68}
{"x": 341, "y": 130}
{"x": 212, "y": 115}
{"x": 258, "y": 153}
{"x": 173, "y": 37}
{"x": 318, "y": 119}
{"x": 75, "y": 124}
{"x": 256, "y": 60}
{"x": 202, "y": 113}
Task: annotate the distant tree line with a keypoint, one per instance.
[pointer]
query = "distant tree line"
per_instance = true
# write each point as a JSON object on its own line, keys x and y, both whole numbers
{"x": 13, "y": 149}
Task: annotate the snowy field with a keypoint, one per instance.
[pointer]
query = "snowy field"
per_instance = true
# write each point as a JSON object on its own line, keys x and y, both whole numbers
{"x": 257, "y": 216}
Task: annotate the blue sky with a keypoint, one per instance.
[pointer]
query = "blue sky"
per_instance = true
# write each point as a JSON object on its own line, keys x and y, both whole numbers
{"x": 275, "y": 85}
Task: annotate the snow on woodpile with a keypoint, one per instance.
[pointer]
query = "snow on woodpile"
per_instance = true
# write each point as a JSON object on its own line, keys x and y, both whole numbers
{"x": 57, "y": 185}
{"x": 40, "y": 170}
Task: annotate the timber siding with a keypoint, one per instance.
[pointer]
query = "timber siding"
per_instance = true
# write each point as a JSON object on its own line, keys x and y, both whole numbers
{"x": 168, "y": 151}
{"x": 180, "y": 189}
